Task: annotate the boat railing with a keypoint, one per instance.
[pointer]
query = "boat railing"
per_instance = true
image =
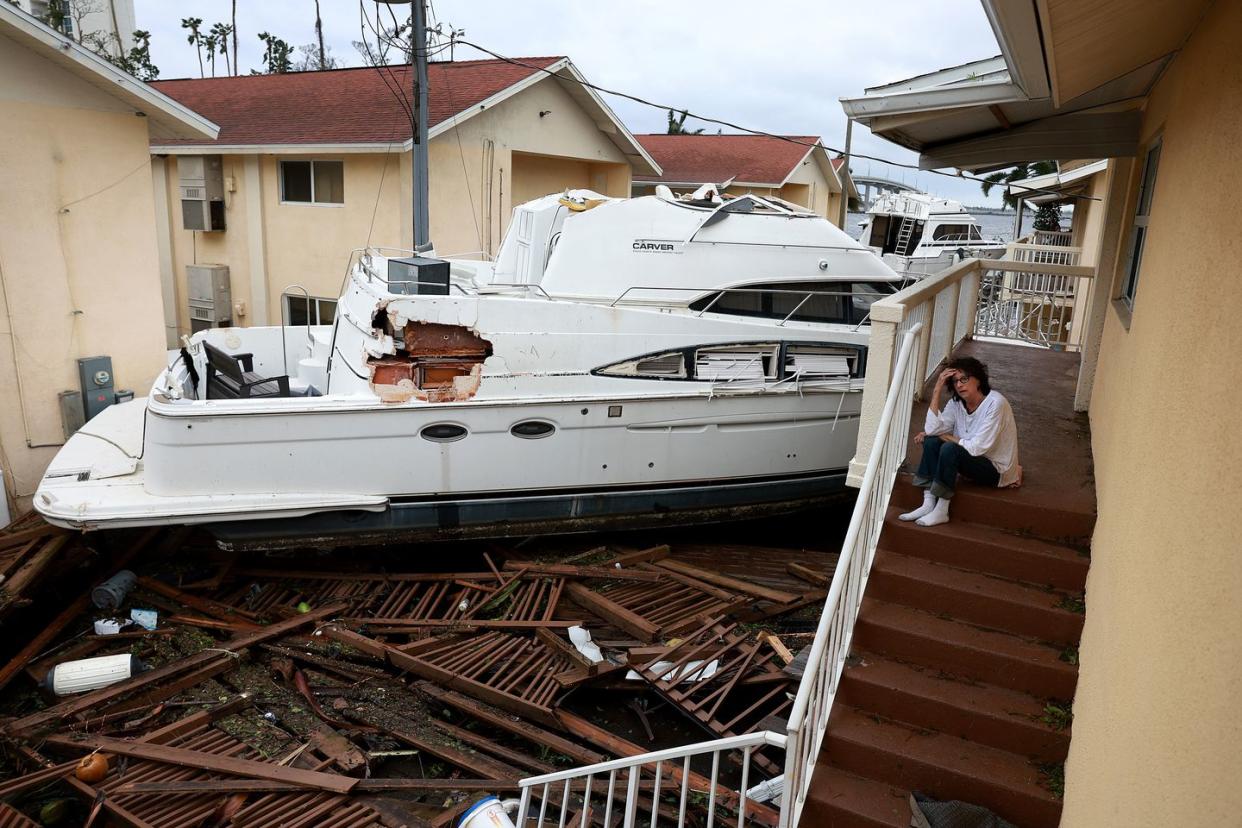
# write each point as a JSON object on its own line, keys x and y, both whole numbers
{"x": 310, "y": 339}
{"x": 660, "y": 787}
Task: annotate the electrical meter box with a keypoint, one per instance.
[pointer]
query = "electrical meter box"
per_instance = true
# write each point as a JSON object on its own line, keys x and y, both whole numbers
{"x": 418, "y": 275}
{"x": 95, "y": 377}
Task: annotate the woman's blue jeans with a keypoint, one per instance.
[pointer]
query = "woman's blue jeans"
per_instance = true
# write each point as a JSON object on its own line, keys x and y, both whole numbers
{"x": 943, "y": 461}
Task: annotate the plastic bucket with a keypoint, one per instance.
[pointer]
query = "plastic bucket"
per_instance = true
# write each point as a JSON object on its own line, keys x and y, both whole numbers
{"x": 486, "y": 813}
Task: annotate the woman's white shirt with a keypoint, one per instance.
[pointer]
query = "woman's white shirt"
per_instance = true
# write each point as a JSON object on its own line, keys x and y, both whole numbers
{"x": 990, "y": 431}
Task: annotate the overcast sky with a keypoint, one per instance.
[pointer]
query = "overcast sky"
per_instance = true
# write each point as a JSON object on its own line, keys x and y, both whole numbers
{"x": 777, "y": 66}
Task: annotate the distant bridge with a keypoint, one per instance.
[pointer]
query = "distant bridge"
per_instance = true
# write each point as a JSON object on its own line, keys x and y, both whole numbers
{"x": 871, "y": 186}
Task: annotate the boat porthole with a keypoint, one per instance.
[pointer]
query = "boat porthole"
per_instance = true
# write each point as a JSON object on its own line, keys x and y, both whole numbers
{"x": 532, "y": 429}
{"x": 651, "y": 465}
{"x": 585, "y": 410}
{"x": 443, "y": 433}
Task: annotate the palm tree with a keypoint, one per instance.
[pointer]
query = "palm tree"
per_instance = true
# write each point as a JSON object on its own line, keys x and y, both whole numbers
{"x": 195, "y": 38}
{"x": 221, "y": 32}
{"x": 677, "y": 126}
{"x": 1017, "y": 173}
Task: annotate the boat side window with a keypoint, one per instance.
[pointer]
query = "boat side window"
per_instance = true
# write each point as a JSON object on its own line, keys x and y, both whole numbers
{"x": 671, "y": 365}
{"x": 729, "y": 363}
{"x": 806, "y": 301}
{"x": 820, "y": 362}
{"x": 975, "y": 235}
{"x": 952, "y": 232}
{"x": 865, "y": 294}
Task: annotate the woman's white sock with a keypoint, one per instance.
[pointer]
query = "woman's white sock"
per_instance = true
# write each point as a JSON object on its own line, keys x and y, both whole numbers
{"x": 938, "y": 515}
{"x": 929, "y": 503}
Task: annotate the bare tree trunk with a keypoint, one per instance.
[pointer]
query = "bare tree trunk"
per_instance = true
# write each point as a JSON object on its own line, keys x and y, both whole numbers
{"x": 323, "y": 60}
{"x": 235, "y": 37}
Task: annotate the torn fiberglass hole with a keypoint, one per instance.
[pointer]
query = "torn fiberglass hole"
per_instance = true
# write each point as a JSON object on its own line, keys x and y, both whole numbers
{"x": 433, "y": 362}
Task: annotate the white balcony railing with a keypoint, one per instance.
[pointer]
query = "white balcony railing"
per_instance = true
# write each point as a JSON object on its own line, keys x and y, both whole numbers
{"x": 655, "y": 787}
{"x": 809, "y": 717}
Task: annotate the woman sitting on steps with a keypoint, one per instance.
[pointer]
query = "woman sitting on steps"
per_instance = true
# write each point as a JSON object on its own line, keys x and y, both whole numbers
{"x": 974, "y": 434}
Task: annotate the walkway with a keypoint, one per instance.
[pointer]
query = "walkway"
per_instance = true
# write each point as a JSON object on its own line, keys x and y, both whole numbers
{"x": 964, "y": 660}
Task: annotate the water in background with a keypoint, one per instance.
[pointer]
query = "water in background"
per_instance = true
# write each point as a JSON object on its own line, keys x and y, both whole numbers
{"x": 999, "y": 226}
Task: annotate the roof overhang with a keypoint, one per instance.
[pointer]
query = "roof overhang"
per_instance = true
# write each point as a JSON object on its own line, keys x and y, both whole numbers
{"x": 278, "y": 149}
{"x": 575, "y": 84}
{"x": 1056, "y": 187}
{"x": 165, "y": 117}
{"x": 1069, "y": 83}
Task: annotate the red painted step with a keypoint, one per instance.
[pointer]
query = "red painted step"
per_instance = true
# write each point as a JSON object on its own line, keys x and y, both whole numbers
{"x": 989, "y": 550}
{"x": 970, "y": 596}
{"x": 940, "y": 765}
{"x": 962, "y": 649}
{"x": 926, "y": 698}
{"x": 1000, "y": 508}
{"x": 842, "y": 800}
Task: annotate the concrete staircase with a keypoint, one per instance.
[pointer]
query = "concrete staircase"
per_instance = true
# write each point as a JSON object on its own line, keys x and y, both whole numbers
{"x": 967, "y": 633}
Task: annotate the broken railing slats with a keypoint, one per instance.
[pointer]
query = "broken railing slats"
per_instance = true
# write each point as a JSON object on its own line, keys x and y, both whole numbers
{"x": 385, "y": 626}
{"x": 9, "y": 540}
{"x": 212, "y": 609}
{"x": 566, "y": 571}
{"x": 39, "y": 643}
{"x": 735, "y": 584}
{"x": 505, "y": 721}
{"x": 470, "y": 760}
{"x": 40, "y": 777}
{"x": 160, "y": 675}
{"x": 819, "y": 579}
{"x": 233, "y": 766}
{"x": 612, "y": 612}
{"x": 269, "y": 786}
{"x": 655, "y": 553}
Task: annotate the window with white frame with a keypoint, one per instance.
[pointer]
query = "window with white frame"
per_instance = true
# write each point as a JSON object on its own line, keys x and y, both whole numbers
{"x": 312, "y": 182}
{"x": 314, "y": 310}
{"x": 1138, "y": 234}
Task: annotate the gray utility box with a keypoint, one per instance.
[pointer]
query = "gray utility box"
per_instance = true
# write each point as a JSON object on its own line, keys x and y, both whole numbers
{"x": 201, "y": 183}
{"x": 418, "y": 275}
{"x": 95, "y": 377}
{"x": 210, "y": 295}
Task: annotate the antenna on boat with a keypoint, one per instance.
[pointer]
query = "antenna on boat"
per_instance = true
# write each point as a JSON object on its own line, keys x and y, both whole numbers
{"x": 418, "y": 60}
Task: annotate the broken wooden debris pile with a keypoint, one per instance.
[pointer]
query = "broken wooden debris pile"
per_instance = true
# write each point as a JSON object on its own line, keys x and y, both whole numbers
{"x": 341, "y": 696}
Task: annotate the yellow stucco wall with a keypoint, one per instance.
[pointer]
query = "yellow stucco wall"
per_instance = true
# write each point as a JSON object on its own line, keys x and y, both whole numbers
{"x": 478, "y": 171}
{"x": 1157, "y": 724}
{"x": 78, "y": 269}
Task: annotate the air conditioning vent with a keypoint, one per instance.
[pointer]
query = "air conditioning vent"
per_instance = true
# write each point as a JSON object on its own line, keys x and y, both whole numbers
{"x": 201, "y": 183}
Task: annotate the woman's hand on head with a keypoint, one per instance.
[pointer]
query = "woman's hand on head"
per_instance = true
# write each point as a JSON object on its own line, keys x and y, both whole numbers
{"x": 947, "y": 376}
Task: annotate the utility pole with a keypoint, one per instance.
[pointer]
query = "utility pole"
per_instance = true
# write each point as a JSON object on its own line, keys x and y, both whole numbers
{"x": 418, "y": 52}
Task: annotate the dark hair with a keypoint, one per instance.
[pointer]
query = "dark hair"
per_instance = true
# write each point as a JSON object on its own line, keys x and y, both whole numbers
{"x": 971, "y": 367}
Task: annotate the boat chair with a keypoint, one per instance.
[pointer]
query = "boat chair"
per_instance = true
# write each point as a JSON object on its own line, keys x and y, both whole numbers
{"x": 232, "y": 377}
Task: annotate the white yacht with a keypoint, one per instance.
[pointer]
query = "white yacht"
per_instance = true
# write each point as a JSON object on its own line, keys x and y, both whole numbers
{"x": 622, "y": 362}
{"x": 918, "y": 234}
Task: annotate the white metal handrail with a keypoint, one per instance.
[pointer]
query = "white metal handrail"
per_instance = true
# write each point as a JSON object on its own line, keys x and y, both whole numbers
{"x": 560, "y": 795}
{"x": 809, "y": 717}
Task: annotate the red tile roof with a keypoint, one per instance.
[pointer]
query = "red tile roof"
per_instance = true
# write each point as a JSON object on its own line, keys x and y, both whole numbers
{"x": 750, "y": 159}
{"x": 338, "y": 106}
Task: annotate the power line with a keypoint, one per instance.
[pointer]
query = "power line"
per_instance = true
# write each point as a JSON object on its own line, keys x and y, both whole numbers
{"x": 751, "y": 131}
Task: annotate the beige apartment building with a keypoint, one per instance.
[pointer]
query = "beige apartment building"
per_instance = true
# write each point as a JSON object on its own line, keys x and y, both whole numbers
{"x": 796, "y": 168}
{"x": 79, "y": 270}
{"x": 1156, "y": 88}
{"x": 310, "y": 166}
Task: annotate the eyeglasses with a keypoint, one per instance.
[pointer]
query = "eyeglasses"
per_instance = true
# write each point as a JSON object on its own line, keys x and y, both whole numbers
{"x": 961, "y": 378}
